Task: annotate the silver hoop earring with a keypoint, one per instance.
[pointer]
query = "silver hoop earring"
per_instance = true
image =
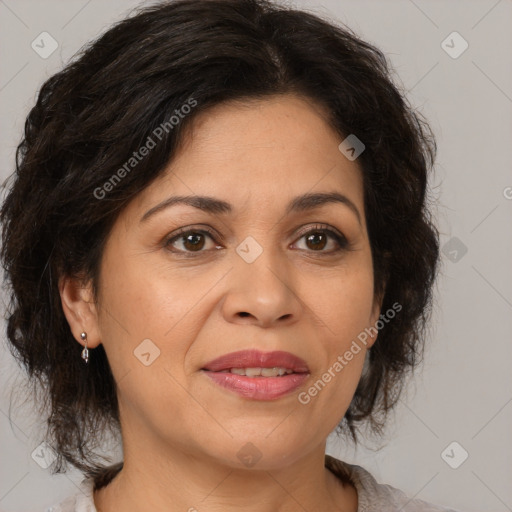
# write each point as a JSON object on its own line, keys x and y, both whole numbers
{"x": 85, "y": 351}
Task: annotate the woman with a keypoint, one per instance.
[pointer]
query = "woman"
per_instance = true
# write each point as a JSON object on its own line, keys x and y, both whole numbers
{"x": 225, "y": 256}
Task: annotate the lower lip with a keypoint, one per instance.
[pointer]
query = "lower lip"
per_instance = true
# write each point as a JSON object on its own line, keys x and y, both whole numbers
{"x": 258, "y": 388}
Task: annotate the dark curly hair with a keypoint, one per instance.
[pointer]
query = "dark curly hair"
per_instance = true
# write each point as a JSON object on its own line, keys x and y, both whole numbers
{"x": 89, "y": 119}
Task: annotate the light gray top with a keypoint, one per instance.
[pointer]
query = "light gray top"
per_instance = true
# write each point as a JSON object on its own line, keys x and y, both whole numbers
{"x": 372, "y": 496}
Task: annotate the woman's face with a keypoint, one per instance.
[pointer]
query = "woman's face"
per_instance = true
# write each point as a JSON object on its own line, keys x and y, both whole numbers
{"x": 251, "y": 274}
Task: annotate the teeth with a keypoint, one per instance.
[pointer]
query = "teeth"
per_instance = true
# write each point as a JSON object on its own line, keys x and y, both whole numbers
{"x": 260, "y": 372}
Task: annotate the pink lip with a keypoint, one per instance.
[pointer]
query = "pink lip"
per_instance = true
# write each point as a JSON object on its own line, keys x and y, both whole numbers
{"x": 257, "y": 359}
{"x": 258, "y": 388}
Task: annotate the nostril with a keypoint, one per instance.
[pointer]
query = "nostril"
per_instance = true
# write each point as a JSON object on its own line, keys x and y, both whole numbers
{"x": 244, "y": 314}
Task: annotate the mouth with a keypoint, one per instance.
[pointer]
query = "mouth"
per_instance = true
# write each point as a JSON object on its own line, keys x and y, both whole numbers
{"x": 253, "y": 363}
{"x": 260, "y": 372}
{"x": 258, "y": 375}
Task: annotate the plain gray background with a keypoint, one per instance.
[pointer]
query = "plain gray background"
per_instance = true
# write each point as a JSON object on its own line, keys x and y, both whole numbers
{"x": 463, "y": 392}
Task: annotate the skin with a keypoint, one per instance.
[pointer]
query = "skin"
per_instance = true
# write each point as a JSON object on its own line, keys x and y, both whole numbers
{"x": 181, "y": 432}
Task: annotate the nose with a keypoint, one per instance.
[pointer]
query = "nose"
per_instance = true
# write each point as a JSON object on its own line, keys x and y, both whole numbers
{"x": 261, "y": 293}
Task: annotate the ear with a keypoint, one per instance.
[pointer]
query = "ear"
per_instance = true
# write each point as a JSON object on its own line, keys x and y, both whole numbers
{"x": 80, "y": 309}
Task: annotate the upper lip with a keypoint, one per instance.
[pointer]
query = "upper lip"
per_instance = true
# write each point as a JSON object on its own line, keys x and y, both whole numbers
{"x": 257, "y": 359}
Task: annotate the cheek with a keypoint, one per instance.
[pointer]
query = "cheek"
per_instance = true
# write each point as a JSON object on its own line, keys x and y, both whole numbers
{"x": 343, "y": 304}
{"x": 141, "y": 299}
{"x": 342, "y": 300}
{"x": 141, "y": 302}
{"x": 147, "y": 325}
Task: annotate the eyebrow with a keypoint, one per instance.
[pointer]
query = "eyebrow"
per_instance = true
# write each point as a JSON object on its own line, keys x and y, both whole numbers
{"x": 215, "y": 206}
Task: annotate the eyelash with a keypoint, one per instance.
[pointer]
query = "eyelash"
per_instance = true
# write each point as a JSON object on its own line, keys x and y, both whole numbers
{"x": 340, "y": 239}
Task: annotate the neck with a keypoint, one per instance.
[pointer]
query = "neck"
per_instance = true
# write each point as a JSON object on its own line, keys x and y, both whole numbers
{"x": 175, "y": 480}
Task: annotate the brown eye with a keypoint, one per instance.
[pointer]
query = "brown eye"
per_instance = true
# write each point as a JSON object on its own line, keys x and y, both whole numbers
{"x": 316, "y": 240}
{"x": 190, "y": 241}
{"x": 322, "y": 240}
{"x": 194, "y": 241}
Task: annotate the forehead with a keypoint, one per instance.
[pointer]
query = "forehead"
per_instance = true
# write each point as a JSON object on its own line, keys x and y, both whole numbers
{"x": 258, "y": 152}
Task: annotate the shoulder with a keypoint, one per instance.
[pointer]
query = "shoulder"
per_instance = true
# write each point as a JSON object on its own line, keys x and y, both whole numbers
{"x": 81, "y": 501}
{"x": 375, "y": 497}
